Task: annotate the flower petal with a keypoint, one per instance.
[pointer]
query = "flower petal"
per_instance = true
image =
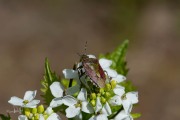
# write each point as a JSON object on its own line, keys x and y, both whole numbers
{"x": 98, "y": 105}
{"x": 72, "y": 90}
{"x": 127, "y": 105}
{"x": 56, "y": 102}
{"x": 54, "y": 116}
{"x": 86, "y": 107}
{"x": 49, "y": 110}
{"x": 41, "y": 117}
{"x": 123, "y": 116}
{"x": 106, "y": 109}
{"x": 119, "y": 78}
{"x": 57, "y": 89}
{"x": 132, "y": 96}
{"x": 69, "y": 100}
{"x": 115, "y": 100}
{"x": 30, "y": 95}
{"x": 101, "y": 117}
{"x": 78, "y": 117}
{"x": 105, "y": 63}
{"x": 22, "y": 117}
{"x": 32, "y": 103}
{"x": 82, "y": 96}
{"x": 119, "y": 90}
{"x": 72, "y": 111}
{"x": 16, "y": 101}
{"x": 110, "y": 72}
{"x": 69, "y": 73}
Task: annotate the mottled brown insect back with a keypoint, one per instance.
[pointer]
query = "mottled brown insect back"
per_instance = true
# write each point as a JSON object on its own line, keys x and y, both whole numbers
{"x": 93, "y": 70}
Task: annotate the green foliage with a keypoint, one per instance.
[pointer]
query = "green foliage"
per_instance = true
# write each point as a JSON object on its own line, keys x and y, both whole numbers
{"x": 49, "y": 78}
{"x": 118, "y": 58}
{"x": 5, "y": 117}
{"x": 136, "y": 115}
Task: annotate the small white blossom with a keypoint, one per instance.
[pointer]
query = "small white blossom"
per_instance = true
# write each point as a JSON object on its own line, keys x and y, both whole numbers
{"x": 28, "y": 100}
{"x": 126, "y": 100}
{"x": 57, "y": 91}
{"x": 101, "y": 112}
{"x": 76, "y": 105}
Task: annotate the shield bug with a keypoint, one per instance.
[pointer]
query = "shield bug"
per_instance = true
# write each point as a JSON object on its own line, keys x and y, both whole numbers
{"x": 93, "y": 70}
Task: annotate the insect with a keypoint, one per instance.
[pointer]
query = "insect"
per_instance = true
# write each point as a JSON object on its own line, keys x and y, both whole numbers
{"x": 93, "y": 70}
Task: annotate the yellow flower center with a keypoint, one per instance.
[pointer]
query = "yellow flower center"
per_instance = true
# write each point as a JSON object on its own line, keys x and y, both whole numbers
{"x": 25, "y": 102}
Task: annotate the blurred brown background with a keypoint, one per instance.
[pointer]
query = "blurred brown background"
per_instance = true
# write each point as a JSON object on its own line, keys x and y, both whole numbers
{"x": 33, "y": 30}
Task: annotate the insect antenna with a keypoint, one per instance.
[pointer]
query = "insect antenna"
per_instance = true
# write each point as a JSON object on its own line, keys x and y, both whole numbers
{"x": 85, "y": 48}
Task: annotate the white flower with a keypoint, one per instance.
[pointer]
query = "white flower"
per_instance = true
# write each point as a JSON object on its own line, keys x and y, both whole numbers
{"x": 57, "y": 91}
{"x": 123, "y": 116}
{"x": 28, "y": 100}
{"x": 101, "y": 112}
{"x": 76, "y": 105}
{"x": 105, "y": 64}
{"x": 126, "y": 100}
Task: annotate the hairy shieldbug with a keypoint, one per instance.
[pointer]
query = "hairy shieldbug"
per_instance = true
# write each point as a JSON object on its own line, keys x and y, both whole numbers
{"x": 93, "y": 70}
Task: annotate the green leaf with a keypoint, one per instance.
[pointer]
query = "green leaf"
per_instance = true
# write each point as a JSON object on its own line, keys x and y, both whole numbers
{"x": 49, "y": 78}
{"x": 4, "y": 117}
{"x": 136, "y": 115}
{"x": 118, "y": 57}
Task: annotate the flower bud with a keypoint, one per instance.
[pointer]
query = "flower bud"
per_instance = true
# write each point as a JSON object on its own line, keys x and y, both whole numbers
{"x": 34, "y": 110}
{"x": 93, "y": 95}
{"x": 40, "y": 109}
{"x": 113, "y": 84}
{"x": 107, "y": 94}
{"x": 108, "y": 87}
{"x": 93, "y": 102}
{"x": 101, "y": 90}
{"x": 36, "y": 117}
{"x": 27, "y": 113}
{"x": 103, "y": 100}
{"x": 98, "y": 95}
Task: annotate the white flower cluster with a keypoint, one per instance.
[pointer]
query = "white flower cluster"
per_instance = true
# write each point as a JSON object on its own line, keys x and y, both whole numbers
{"x": 102, "y": 103}
{"x": 30, "y": 109}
